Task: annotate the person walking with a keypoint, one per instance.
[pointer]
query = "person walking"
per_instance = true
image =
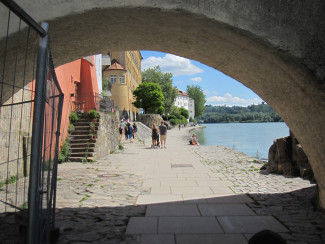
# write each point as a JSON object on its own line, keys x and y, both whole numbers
{"x": 130, "y": 132}
{"x": 120, "y": 131}
{"x": 154, "y": 136}
{"x": 135, "y": 129}
{"x": 163, "y": 134}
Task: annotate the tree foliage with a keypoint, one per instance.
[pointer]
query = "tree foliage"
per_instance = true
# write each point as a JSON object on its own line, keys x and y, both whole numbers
{"x": 149, "y": 97}
{"x": 184, "y": 112}
{"x": 164, "y": 80}
{"x": 178, "y": 115}
{"x": 195, "y": 92}
{"x": 235, "y": 114}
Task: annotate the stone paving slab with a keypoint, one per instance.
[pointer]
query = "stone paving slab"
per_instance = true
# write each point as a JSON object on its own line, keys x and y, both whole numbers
{"x": 160, "y": 190}
{"x": 211, "y": 239}
{"x": 157, "y": 239}
{"x": 142, "y": 225}
{"x": 152, "y": 199}
{"x": 231, "y": 198}
{"x": 194, "y": 198}
{"x": 188, "y": 225}
{"x": 250, "y": 224}
{"x": 180, "y": 182}
{"x": 191, "y": 190}
{"x": 213, "y": 182}
{"x": 228, "y": 209}
{"x": 221, "y": 189}
{"x": 173, "y": 210}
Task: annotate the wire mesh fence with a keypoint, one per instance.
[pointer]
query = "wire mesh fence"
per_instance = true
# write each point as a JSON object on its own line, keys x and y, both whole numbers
{"x": 17, "y": 71}
{"x": 30, "y": 114}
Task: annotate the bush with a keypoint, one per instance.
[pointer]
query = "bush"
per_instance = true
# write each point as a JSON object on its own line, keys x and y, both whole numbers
{"x": 73, "y": 117}
{"x": 65, "y": 153}
{"x": 71, "y": 127}
{"x": 93, "y": 114}
{"x": 174, "y": 121}
{"x": 192, "y": 120}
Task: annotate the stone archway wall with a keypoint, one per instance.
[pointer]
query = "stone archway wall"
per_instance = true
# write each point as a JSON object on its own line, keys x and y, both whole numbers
{"x": 274, "y": 48}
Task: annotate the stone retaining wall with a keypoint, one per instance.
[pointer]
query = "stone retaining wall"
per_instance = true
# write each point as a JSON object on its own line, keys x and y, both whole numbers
{"x": 150, "y": 119}
{"x": 107, "y": 135}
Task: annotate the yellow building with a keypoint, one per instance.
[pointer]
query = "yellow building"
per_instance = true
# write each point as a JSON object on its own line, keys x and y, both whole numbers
{"x": 124, "y": 76}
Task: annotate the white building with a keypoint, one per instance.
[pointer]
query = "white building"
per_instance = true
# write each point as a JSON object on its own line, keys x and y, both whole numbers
{"x": 184, "y": 101}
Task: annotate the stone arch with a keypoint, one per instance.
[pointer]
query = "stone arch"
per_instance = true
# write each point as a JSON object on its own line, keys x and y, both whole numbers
{"x": 273, "y": 48}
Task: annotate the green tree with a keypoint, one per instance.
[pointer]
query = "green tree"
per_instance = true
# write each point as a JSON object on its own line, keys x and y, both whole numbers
{"x": 149, "y": 97}
{"x": 195, "y": 92}
{"x": 184, "y": 112}
{"x": 164, "y": 80}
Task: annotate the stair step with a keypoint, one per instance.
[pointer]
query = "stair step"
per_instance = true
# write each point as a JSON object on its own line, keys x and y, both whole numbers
{"x": 79, "y": 159}
{"x": 81, "y": 139}
{"x": 79, "y": 132}
{"x": 82, "y": 145}
{"x": 82, "y": 154}
{"x": 81, "y": 150}
{"x": 78, "y": 137}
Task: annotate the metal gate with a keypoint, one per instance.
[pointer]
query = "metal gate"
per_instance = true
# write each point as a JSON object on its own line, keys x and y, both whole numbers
{"x": 30, "y": 116}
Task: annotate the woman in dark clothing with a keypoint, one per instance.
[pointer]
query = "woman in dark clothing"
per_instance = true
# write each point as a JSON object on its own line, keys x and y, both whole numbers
{"x": 154, "y": 135}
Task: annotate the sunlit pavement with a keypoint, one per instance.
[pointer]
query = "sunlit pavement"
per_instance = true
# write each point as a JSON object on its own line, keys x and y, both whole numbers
{"x": 182, "y": 194}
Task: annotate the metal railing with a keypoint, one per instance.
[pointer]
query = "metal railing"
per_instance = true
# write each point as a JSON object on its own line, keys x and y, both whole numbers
{"x": 30, "y": 118}
{"x": 84, "y": 102}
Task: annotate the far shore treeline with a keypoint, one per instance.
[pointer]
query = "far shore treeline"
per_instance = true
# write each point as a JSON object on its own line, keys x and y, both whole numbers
{"x": 236, "y": 114}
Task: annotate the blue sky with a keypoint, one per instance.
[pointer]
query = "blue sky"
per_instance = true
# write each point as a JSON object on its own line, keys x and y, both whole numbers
{"x": 219, "y": 88}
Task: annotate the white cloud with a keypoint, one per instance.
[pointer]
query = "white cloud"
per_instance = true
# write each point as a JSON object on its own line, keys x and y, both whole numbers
{"x": 196, "y": 79}
{"x": 207, "y": 92}
{"x": 172, "y": 64}
{"x": 229, "y": 100}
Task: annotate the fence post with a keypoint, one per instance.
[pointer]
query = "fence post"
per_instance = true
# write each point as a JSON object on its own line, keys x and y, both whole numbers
{"x": 37, "y": 139}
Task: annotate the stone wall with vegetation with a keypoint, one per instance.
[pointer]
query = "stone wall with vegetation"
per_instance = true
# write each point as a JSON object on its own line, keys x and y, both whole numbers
{"x": 150, "y": 119}
{"x": 15, "y": 136}
{"x": 107, "y": 135}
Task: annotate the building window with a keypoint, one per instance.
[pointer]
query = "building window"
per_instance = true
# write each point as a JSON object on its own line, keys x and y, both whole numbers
{"x": 122, "y": 81}
{"x": 113, "y": 79}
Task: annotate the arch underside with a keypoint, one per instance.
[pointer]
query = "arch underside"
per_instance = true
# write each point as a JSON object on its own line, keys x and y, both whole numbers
{"x": 280, "y": 79}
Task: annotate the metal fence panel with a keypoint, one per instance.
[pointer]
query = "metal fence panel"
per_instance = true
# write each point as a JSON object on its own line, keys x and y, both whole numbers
{"x": 30, "y": 118}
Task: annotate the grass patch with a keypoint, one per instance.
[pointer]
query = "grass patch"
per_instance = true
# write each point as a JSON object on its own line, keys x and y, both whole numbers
{"x": 120, "y": 147}
{"x": 24, "y": 206}
{"x": 90, "y": 185}
{"x": 84, "y": 198}
{"x": 12, "y": 179}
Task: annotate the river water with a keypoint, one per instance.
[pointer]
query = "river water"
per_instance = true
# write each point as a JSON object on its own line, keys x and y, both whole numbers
{"x": 253, "y": 139}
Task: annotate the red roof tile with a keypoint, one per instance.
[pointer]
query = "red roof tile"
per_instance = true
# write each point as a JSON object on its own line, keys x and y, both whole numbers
{"x": 115, "y": 66}
{"x": 181, "y": 93}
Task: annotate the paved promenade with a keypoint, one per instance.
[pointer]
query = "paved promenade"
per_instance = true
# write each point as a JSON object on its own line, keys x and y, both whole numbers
{"x": 182, "y": 194}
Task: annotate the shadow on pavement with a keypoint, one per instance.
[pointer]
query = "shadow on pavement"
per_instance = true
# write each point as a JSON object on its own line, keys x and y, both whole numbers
{"x": 291, "y": 214}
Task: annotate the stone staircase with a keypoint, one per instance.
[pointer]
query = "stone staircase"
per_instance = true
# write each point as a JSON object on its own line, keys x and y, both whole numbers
{"x": 82, "y": 143}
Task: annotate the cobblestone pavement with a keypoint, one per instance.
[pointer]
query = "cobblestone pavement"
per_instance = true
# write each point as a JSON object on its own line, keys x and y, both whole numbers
{"x": 288, "y": 199}
{"x": 96, "y": 200}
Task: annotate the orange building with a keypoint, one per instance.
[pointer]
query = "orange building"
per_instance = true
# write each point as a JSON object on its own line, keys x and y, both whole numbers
{"x": 78, "y": 82}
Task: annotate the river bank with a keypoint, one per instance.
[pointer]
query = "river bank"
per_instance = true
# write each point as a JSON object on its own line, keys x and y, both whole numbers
{"x": 182, "y": 194}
